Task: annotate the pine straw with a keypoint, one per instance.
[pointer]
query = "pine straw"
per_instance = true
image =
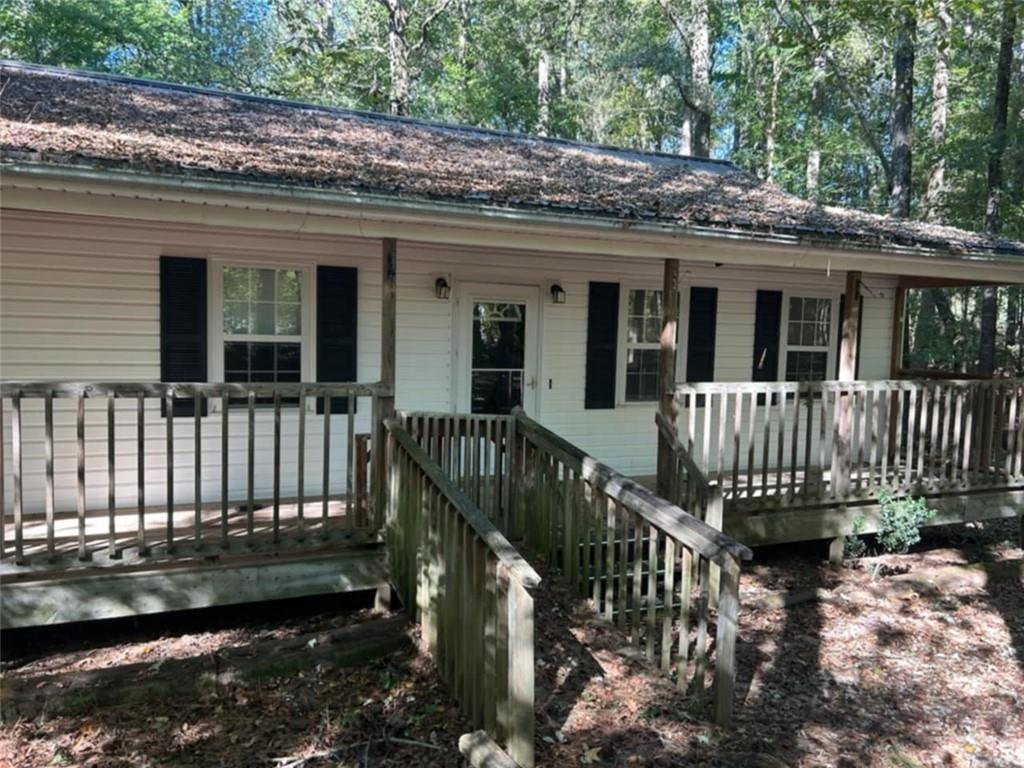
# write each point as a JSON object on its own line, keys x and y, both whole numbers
{"x": 904, "y": 680}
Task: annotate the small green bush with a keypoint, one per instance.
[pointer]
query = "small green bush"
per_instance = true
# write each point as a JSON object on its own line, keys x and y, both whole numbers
{"x": 854, "y": 545}
{"x": 899, "y": 526}
{"x": 900, "y": 522}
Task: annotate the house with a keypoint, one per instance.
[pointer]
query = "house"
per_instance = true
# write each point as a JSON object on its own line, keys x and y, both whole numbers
{"x": 156, "y": 233}
{"x": 212, "y": 304}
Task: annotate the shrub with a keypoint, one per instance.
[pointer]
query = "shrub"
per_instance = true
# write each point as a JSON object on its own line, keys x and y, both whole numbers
{"x": 900, "y": 522}
{"x": 853, "y": 545}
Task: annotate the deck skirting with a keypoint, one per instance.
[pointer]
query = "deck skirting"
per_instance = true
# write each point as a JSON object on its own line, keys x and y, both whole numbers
{"x": 106, "y": 593}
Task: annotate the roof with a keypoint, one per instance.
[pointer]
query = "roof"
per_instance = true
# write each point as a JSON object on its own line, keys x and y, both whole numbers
{"x": 69, "y": 118}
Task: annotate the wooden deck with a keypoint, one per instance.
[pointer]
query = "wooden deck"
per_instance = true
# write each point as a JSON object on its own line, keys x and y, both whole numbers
{"x": 796, "y": 462}
{"x": 61, "y": 564}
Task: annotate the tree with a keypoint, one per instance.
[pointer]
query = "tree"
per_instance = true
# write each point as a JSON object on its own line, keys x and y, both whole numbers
{"x": 400, "y": 17}
{"x": 1000, "y": 110}
{"x": 903, "y": 110}
{"x": 934, "y": 196}
{"x": 693, "y": 30}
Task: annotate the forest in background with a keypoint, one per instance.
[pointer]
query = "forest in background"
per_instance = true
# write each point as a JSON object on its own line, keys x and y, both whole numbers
{"x": 914, "y": 108}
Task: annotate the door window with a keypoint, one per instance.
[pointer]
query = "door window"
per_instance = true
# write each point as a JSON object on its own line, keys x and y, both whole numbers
{"x": 499, "y": 356}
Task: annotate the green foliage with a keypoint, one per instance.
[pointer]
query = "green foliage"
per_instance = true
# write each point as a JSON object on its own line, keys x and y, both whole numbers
{"x": 619, "y": 73}
{"x": 854, "y": 545}
{"x": 900, "y": 522}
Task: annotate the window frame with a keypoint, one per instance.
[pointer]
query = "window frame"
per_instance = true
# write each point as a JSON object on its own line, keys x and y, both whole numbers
{"x": 215, "y": 315}
{"x": 833, "y": 332}
{"x": 622, "y": 346}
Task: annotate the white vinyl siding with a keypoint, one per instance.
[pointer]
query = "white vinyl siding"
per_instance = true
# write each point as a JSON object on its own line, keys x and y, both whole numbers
{"x": 79, "y": 300}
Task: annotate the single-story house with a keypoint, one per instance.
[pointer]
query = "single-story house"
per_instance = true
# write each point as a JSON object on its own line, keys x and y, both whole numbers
{"x": 156, "y": 234}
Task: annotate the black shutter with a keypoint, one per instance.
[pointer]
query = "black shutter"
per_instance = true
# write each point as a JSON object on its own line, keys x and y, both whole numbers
{"x": 700, "y": 338}
{"x": 602, "y": 341}
{"x": 839, "y": 335}
{"x": 767, "y": 330}
{"x": 183, "y": 325}
{"x": 336, "y": 315}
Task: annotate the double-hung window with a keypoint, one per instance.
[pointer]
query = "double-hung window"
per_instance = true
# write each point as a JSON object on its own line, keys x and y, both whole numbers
{"x": 808, "y": 334}
{"x": 262, "y": 324}
{"x": 643, "y": 344}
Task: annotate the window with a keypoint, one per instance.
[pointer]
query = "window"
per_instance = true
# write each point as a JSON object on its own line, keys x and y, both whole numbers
{"x": 262, "y": 324}
{"x": 808, "y": 338}
{"x": 643, "y": 344}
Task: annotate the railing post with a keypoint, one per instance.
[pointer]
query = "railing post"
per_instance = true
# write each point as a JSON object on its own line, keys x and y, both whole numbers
{"x": 667, "y": 369}
{"x": 520, "y": 674}
{"x": 725, "y": 641}
{"x": 385, "y": 403}
{"x": 714, "y": 516}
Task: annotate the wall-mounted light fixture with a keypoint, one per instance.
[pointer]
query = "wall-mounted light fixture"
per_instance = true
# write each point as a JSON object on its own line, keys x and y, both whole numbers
{"x": 442, "y": 289}
{"x": 557, "y": 293}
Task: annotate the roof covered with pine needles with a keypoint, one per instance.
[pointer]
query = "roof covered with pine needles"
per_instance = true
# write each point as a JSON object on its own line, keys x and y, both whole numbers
{"x": 66, "y": 118}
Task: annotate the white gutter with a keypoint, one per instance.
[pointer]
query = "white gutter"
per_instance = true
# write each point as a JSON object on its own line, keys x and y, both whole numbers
{"x": 31, "y": 185}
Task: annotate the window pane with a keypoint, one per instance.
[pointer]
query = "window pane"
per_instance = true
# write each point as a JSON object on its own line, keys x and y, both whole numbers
{"x": 653, "y": 326}
{"x": 236, "y": 283}
{"x": 496, "y": 391}
{"x": 810, "y": 309}
{"x": 288, "y": 358}
{"x": 261, "y": 356}
{"x": 821, "y": 334}
{"x": 236, "y": 318}
{"x": 642, "y": 374}
{"x": 263, "y": 285}
{"x": 263, "y": 319}
{"x": 635, "y": 329}
{"x": 653, "y": 303}
{"x": 806, "y": 366}
{"x": 795, "y": 308}
{"x": 636, "y": 303}
{"x": 808, "y": 334}
{"x": 289, "y": 320}
{"x": 793, "y": 337}
{"x": 498, "y": 343}
{"x": 236, "y": 356}
{"x": 289, "y": 285}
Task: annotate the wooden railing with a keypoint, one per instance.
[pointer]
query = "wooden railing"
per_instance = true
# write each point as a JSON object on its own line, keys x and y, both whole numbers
{"x": 645, "y": 563}
{"x": 474, "y": 451}
{"x": 469, "y": 589}
{"x": 835, "y": 442}
{"x": 250, "y": 465}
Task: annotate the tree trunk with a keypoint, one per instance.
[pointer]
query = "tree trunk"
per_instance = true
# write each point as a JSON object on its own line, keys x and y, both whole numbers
{"x": 398, "y": 57}
{"x": 902, "y": 116}
{"x": 543, "y": 94}
{"x": 814, "y": 127}
{"x": 773, "y": 119}
{"x": 987, "y": 339}
{"x": 1002, "y": 100}
{"x": 686, "y": 133}
{"x": 934, "y": 196}
{"x": 700, "y": 72}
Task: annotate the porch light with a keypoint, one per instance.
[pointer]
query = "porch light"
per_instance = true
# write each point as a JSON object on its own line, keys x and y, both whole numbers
{"x": 441, "y": 289}
{"x": 557, "y": 293}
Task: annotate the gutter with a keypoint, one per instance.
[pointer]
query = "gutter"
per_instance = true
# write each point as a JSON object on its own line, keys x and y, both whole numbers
{"x": 368, "y": 206}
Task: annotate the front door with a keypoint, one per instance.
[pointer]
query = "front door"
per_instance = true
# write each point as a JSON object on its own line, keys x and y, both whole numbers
{"x": 496, "y": 348}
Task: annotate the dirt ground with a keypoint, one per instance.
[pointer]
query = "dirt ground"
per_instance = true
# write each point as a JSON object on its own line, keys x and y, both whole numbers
{"x": 878, "y": 673}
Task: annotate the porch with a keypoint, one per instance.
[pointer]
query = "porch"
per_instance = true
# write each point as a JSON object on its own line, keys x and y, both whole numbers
{"x": 800, "y": 461}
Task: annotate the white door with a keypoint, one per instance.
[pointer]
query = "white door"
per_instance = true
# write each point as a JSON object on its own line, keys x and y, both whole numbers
{"x": 496, "y": 348}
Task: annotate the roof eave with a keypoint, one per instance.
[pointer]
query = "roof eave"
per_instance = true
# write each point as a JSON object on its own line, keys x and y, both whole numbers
{"x": 365, "y": 201}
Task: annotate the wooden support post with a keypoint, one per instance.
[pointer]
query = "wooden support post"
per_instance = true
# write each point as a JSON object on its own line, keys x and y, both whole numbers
{"x": 896, "y": 361}
{"x": 385, "y": 403}
{"x": 667, "y": 369}
{"x": 847, "y": 372}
